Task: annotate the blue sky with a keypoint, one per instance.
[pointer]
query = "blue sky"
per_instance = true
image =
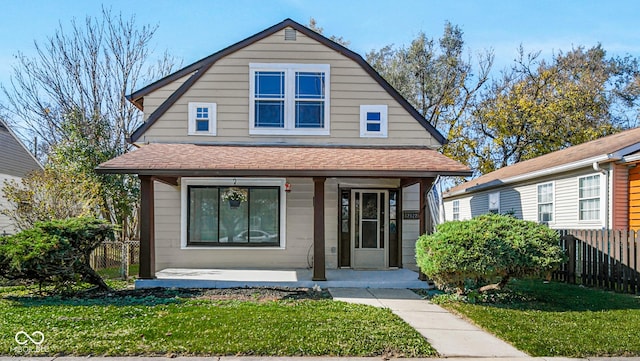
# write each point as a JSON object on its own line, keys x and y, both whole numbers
{"x": 191, "y": 30}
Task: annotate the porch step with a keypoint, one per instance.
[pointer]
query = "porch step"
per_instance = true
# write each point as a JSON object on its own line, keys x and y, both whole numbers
{"x": 222, "y": 278}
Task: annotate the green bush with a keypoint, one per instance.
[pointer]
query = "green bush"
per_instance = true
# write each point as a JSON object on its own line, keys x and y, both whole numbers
{"x": 488, "y": 248}
{"x": 55, "y": 252}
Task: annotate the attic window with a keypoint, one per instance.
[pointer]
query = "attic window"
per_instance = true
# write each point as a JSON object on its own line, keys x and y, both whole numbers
{"x": 373, "y": 121}
{"x": 290, "y": 34}
{"x": 202, "y": 118}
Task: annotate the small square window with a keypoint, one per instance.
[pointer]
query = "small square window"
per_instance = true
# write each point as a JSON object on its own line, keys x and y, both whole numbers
{"x": 373, "y": 121}
{"x": 202, "y": 119}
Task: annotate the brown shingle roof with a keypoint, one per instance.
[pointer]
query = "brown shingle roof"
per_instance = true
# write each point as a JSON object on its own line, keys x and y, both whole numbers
{"x": 599, "y": 147}
{"x": 221, "y": 160}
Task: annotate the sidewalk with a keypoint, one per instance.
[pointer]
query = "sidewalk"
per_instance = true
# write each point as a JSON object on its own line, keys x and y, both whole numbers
{"x": 313, "y": 358}
{"x": 450, "y": 335}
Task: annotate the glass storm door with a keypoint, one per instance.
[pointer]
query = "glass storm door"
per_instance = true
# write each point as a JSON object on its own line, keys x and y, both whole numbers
{"x": 370, "y": 236}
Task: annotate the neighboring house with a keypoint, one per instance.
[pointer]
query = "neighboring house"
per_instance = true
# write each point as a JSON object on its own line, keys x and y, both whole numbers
{"x": 593, "y": 185}
{"x": 15, "y": 163}
{"x": 327, "y": 159}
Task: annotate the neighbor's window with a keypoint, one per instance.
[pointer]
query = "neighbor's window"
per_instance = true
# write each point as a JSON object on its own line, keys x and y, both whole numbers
{"x": 589, "y": 198}
{"x": 373, "y": 121}
{"x": 214, "y": 219}
{"x": 289, "y": 99}
{"x": 494, "y": 202}
{"x": 202, "y": 118}
{"x": 545, "y": 202}
{"x": 456, "y": 210}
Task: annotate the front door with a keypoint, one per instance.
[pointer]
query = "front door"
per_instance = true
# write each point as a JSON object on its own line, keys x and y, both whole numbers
{"x": 370, "y": 236}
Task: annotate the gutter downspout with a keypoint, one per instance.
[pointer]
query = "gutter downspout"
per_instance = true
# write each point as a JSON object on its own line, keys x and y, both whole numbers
{"x": 606, "y": 173}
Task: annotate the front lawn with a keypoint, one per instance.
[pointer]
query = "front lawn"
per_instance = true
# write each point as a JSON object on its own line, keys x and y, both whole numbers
{"x": 555, "y": 319}
{"x": 196, "y": 323}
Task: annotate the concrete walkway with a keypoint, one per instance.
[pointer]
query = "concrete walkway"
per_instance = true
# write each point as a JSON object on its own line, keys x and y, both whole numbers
{"x": 294, "y": 358}
{"x": 450, "y": 335}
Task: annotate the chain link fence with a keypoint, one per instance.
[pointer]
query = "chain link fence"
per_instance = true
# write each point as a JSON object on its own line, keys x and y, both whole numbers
{"x": 112, "y": 256}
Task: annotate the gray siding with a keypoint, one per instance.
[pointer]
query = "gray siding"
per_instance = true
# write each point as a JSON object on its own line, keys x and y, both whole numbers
{"x": 6, "y": 226}
{"x": 522, "y": 199}
{"x": 16, "y": 159}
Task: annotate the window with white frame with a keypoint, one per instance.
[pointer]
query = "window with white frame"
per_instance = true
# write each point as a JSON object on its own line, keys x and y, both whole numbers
{"x": 456, "y": 210}
{"x": 494, "y": 202}
{"x": 202, "y": 118}
{"x": 545, "y": 202}
{"x": 373, "y": 121}
{"x": 289, "y": 99}
{"x": 589, "y": 198}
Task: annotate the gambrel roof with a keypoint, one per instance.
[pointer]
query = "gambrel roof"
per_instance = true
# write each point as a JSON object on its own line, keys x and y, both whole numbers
{"x": 199, "y": 68}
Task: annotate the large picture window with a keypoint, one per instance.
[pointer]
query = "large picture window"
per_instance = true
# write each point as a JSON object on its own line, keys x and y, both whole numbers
{"x": 216, "y": 218}
{"x": 289, "y": 99}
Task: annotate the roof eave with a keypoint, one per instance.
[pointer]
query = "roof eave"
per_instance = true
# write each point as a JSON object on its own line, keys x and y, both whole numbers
{"x": 280, "y": 173}
{"x": 532, "y": 175}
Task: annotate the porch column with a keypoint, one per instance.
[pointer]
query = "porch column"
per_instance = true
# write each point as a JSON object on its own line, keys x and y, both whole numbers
{"x": 147, "y": 229}
{"x": 425, "y": 184}
{"x": 318, "y": 230}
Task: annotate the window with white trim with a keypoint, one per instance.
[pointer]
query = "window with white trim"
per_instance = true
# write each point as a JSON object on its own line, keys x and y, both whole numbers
{"x": 289, "y": 99}
{"x": 545, "y": 202}
{"x": 494, "y": 202}
{"x": 373, "y": 121}
{"x": 202, "y": 118}
{"x": 456, "y": 210}
{"x": 589, "y": 198}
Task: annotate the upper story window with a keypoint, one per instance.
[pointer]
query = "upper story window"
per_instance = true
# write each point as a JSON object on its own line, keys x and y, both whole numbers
{"x": 589, "y": 198}
{"x": 545, "y": 202}
{"x": 202, "y": 118}
{"x": 289, "y": 99}
{"x": 373, "y": 121}
{"x": 456, "y": 210}
{"x": 494, "y": 202}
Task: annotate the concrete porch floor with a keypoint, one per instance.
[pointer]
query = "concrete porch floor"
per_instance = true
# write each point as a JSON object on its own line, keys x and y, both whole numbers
{"x": 234, "y": 278}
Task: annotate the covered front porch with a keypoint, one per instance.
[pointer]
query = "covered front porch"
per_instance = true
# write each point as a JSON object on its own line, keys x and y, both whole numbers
{"x": 320, "y": 218}
{"x": 239, "y": 278}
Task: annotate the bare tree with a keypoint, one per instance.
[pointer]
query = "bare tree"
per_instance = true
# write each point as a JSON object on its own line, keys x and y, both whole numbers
{"x": 74, "y": 89}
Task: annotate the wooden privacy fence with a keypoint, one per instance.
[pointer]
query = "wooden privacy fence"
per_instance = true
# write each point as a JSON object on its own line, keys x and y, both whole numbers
{"x": 116, "y": 255}
{"x": 607, "y": 259}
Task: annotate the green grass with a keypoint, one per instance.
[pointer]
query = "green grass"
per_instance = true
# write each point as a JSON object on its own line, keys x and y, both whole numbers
{"x": 556, "y": 319}
{"x": 176, "y": 325}
{"x": 114, "y": 272}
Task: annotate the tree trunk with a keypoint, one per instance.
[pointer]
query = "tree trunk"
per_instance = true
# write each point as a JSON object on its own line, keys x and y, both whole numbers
{"x": 496, "y": 286}
{"x": 92, "y": 277}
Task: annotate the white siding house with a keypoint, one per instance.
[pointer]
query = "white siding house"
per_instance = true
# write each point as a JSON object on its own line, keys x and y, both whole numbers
{"x": 581, "y": 187}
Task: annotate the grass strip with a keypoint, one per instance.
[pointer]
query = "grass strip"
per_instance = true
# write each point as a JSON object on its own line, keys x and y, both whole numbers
{"x": 556, "y": 319}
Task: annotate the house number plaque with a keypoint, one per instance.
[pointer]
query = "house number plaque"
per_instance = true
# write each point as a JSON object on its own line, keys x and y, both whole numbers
{"x": 410, "y": 214}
